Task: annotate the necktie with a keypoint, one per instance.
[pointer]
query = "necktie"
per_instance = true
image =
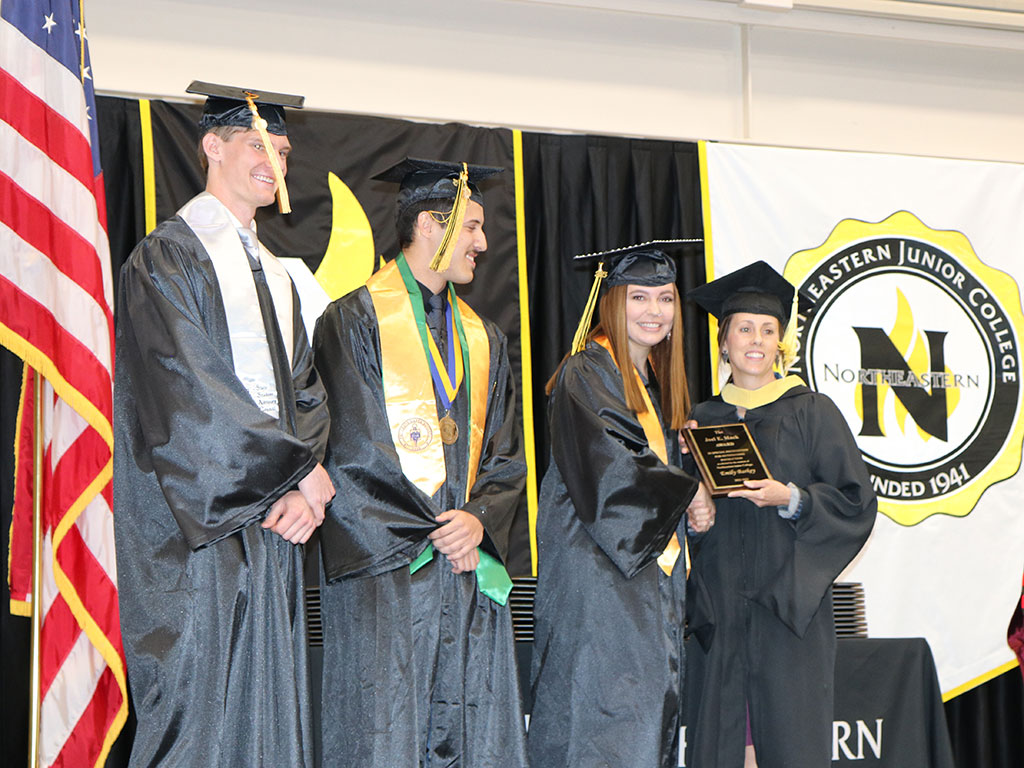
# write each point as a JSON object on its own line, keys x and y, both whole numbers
{"x": 250, "y": 243}
{"x": 436, "y": 324}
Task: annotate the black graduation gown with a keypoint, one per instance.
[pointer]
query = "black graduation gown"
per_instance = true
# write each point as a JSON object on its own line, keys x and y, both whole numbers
{"x": 212, "y": 612}
{"x": 760, "y": 591}
{"x": 419, "y": 670}
{"x": 608, "y": 650}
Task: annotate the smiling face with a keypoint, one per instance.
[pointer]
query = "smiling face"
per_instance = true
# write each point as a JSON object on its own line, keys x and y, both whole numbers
{"x": 240, "y": 174}
{"x": 472, "y": 242}
{"x": 752, "y": 344}
{"x": 649, "y": 314}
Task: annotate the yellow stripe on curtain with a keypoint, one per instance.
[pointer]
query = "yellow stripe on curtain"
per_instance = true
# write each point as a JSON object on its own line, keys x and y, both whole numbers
{"x": 148, "y": 172}
{"x": 526, "y": 363}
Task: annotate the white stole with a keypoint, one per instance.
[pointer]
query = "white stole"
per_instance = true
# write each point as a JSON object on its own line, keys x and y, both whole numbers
{"x": 217, "y": 229}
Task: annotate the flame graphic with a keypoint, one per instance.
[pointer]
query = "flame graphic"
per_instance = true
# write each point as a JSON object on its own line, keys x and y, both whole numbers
{"x": 349, "y": 259}
{"x": 913, "y": 347}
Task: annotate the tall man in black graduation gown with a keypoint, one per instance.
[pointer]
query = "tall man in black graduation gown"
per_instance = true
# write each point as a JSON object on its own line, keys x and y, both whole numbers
{"x": 419, "y": 666}
{"x": 220, "y": 425}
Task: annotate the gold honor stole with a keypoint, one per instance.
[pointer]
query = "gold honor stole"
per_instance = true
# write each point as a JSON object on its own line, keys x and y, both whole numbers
{"x": 656, "y": 439}
{"x": 410, "y": 401}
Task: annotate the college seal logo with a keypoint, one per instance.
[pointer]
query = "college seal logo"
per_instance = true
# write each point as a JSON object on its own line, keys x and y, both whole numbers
{"x": 915, "y": 340}
{"x": 415, "y": 434}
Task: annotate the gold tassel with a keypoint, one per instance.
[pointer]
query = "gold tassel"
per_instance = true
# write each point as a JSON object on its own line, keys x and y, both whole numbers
{"x": 579, "y": 341}
{"x": 789, "y": 345}
{"x": 259, "y": 124}
{"x": 443, "y": 258}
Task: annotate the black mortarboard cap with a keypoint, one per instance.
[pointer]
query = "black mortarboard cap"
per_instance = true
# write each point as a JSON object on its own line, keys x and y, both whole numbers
{"x": 434, "y": 180}
{"x": 644, "y": 264}
{"x": 756, "y": 288}
{"x": 228, "y": 106}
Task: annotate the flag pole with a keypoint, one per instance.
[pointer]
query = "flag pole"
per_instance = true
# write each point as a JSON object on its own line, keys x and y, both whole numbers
{"x": 35, "y": 703}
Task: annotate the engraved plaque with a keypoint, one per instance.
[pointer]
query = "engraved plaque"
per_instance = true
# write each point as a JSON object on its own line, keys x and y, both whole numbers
{"x": 726, "y": 456}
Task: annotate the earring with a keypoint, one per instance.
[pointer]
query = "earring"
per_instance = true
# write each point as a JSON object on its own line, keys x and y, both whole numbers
{"x": 725, "y": 355}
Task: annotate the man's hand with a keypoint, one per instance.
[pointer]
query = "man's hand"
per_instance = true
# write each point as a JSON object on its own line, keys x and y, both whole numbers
{"x": 317, "y": 489}
{"x": 467, "y": 563}
{"x": 460, "y": 535}
{"x": 764, "y": 493}
{"x": 701, "y": 512}
{"x": 683, "y": 447}
{"x": 291, "y": 518}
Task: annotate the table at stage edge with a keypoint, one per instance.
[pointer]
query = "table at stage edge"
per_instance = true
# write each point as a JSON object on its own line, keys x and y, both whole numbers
{"x": 888, "y": 705}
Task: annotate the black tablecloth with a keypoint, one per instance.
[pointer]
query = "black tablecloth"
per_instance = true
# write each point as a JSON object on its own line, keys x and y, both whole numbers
{"x": 888, "y": 709}
{"x": 888, "y": 706}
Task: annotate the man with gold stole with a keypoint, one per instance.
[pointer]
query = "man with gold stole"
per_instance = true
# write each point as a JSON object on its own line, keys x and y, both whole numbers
{"x": 419, "y": 660}
{"x": 220, "y": 423}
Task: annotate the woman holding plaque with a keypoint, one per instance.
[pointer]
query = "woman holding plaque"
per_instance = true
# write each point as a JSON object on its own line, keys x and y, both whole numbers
{"x": 763, "y": 667}
{"x": 608, "y": 650}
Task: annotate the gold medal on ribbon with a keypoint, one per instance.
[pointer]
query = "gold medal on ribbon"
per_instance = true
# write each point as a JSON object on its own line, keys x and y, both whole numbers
{"x": 449, "y": 430}
{"x": 410, "y": 394}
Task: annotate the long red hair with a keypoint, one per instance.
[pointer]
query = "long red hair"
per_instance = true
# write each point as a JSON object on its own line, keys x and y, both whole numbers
{"x": 666, "y": 357}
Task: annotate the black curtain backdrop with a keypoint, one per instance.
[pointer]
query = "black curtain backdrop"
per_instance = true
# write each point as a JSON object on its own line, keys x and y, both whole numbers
{"x": 15, "y": 631}
{"x": 121, "y": 157}
{"x": 353, "y": 147}
{"x": 582, "y": 194}
{"x": 594, "y": 193}
{"x": 986, "y": 724}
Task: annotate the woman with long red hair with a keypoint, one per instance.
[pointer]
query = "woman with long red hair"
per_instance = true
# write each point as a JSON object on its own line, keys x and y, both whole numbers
{"x": 608, "y": 650}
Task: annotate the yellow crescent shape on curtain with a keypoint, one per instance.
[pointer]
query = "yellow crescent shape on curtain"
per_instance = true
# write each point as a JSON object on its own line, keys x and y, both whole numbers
{"x": 349, "y": 259}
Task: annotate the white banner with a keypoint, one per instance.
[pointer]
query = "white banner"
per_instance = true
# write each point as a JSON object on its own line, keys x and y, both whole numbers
{"x": 913, "y": 265}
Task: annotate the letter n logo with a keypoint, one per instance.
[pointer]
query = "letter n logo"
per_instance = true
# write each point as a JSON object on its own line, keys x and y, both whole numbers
{"x": 878, "y": 357}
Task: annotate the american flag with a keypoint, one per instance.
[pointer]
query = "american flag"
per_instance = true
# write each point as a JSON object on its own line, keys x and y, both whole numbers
{"x": 55, "y": 313}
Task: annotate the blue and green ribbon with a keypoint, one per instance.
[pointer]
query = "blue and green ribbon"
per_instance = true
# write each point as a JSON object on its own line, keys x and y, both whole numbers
{"x": 492, "y": 578}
